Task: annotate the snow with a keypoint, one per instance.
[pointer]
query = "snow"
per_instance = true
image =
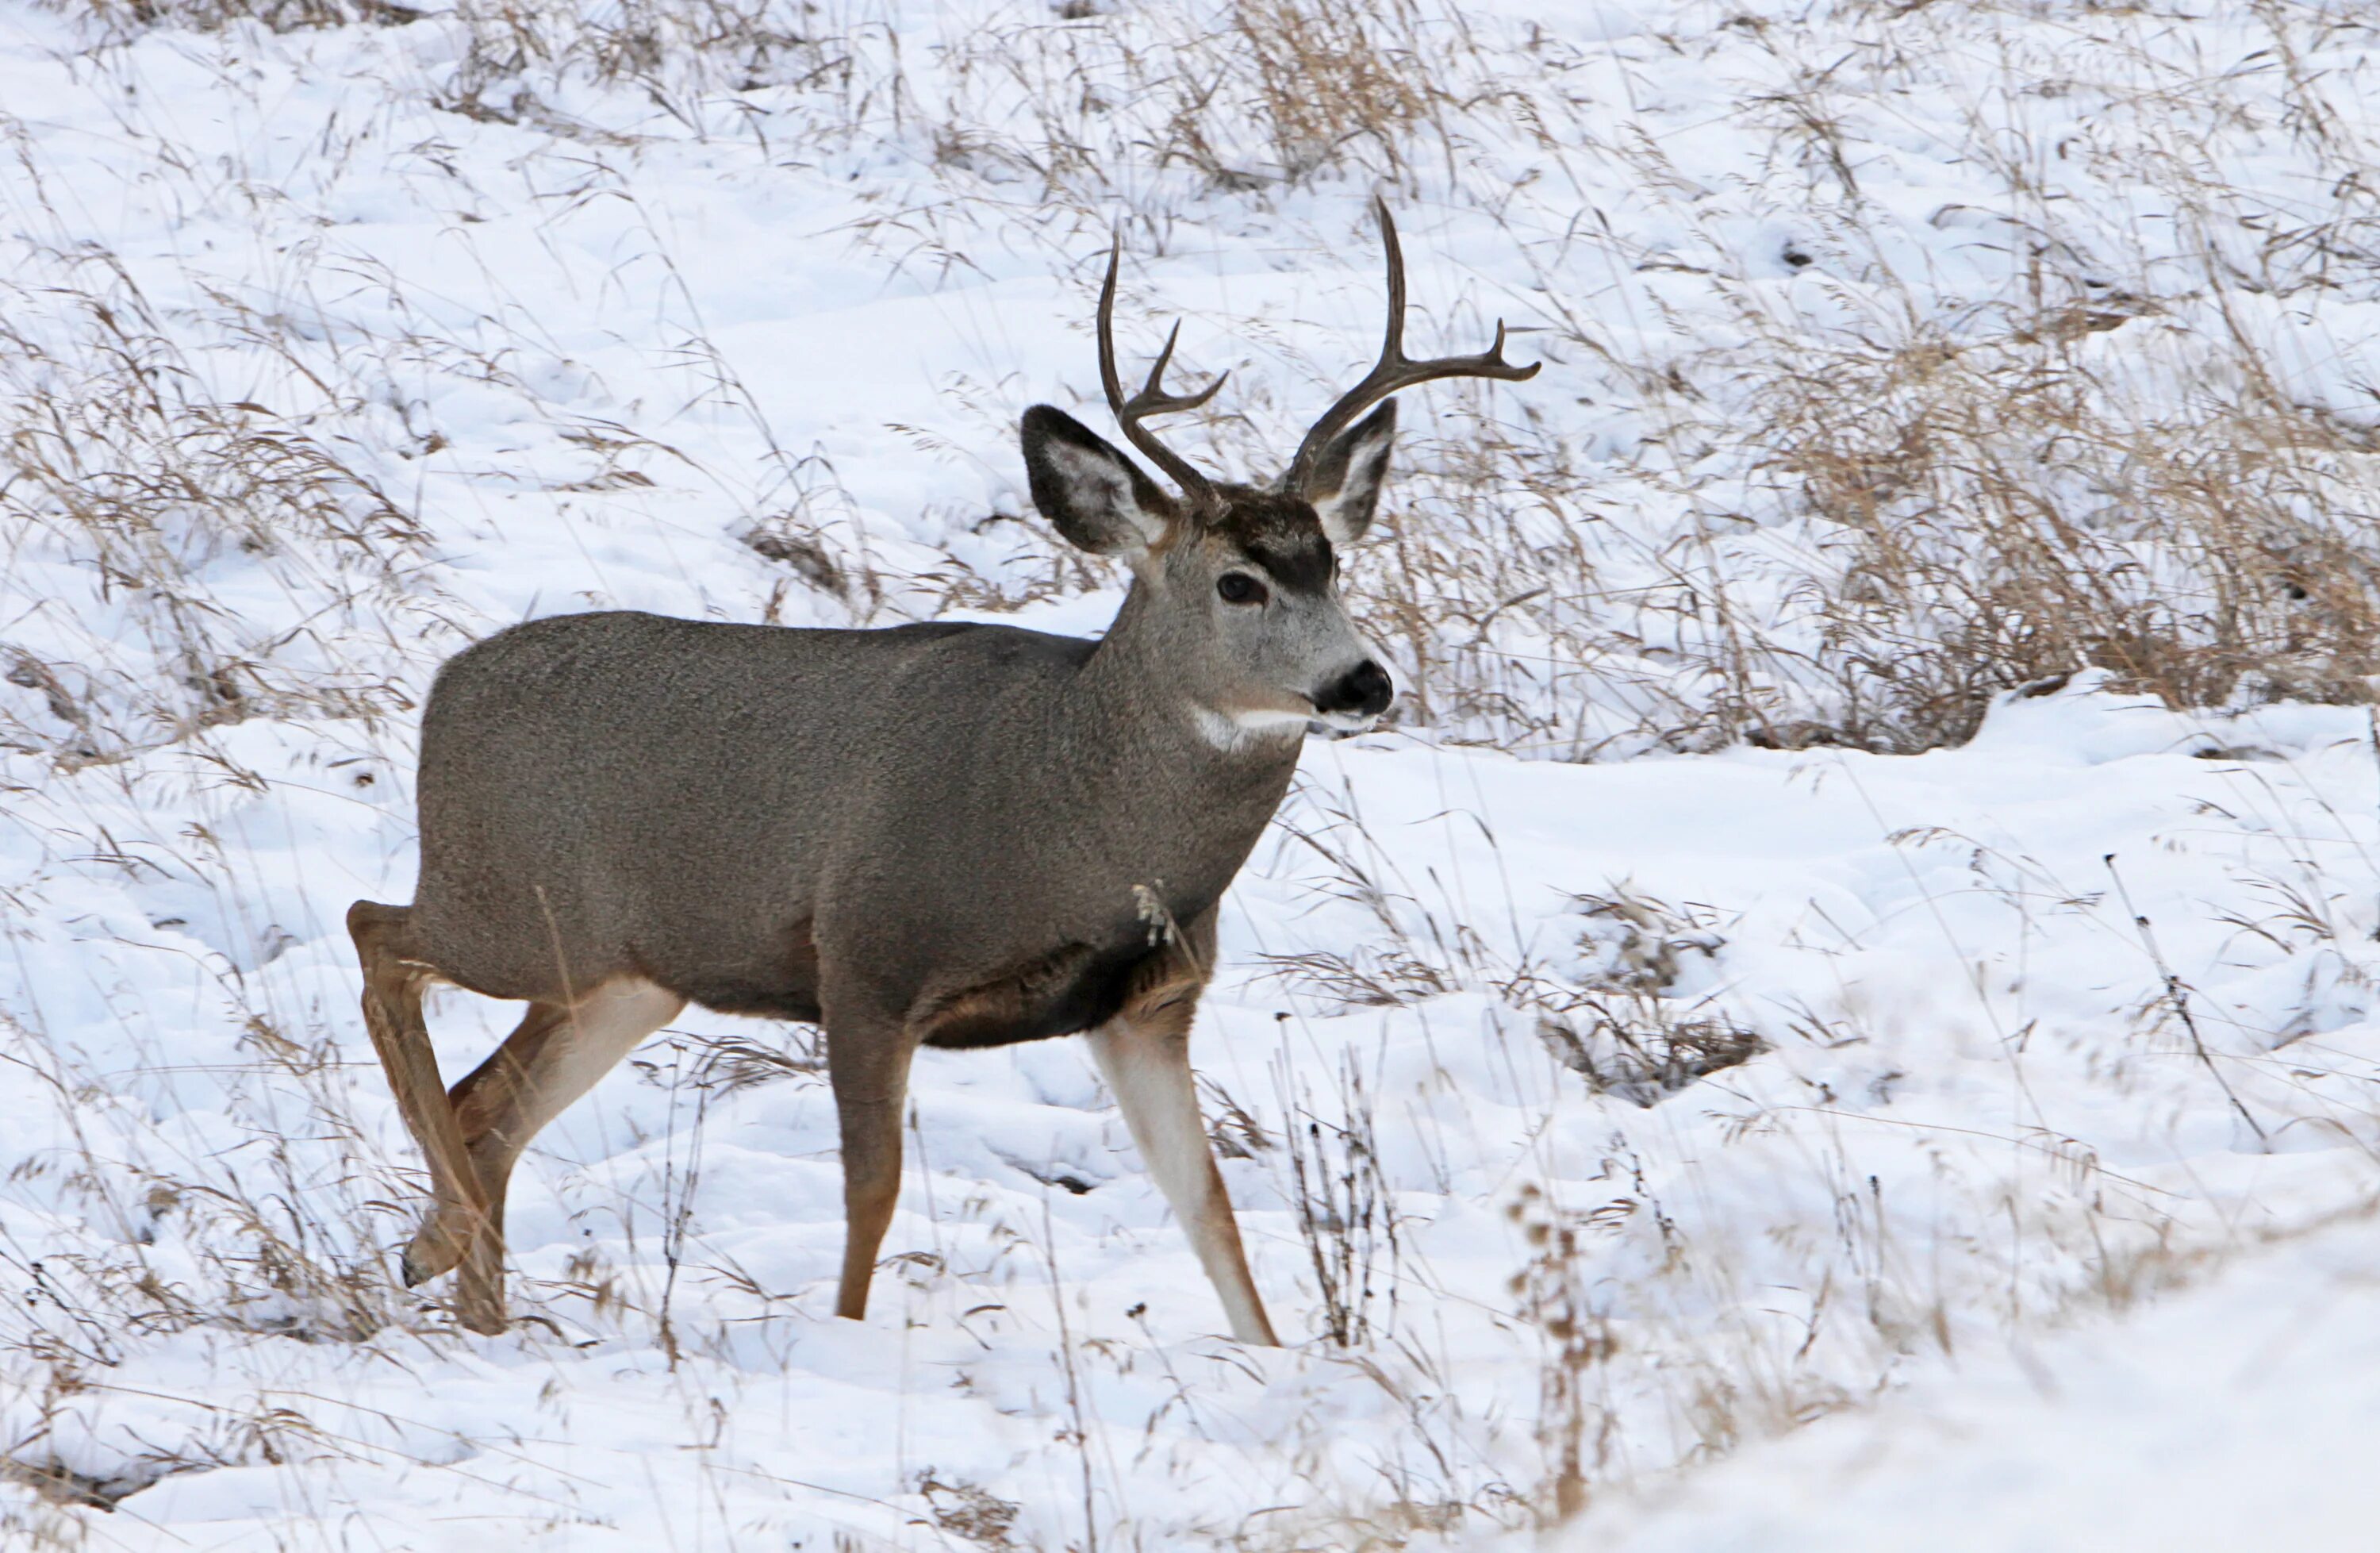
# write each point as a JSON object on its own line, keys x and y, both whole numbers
{"x": 2234, "y": 1415}
{"x": 2037, "y": 1216}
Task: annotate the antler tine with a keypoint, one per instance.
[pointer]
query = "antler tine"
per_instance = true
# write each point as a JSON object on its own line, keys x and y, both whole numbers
{"x": 1394, "y": 372}
{"x": 1152, "y": 399}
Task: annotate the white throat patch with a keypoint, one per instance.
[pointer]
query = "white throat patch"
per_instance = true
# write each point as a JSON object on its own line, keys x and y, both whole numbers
{"x": 1235, "y": 731}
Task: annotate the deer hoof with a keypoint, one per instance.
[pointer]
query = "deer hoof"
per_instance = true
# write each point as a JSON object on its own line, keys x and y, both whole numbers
{"x": 485, "y": 1316}
{"x": 437, "y": 1247}
{"x": 480, "y": 1287}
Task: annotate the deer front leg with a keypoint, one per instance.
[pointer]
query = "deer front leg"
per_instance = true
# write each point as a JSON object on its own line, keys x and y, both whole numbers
{"x": 867, "y": 1062}
{"x": 1144, "y": 1057}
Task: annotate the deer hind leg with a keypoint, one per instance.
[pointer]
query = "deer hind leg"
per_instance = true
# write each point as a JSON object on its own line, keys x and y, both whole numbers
{"x": 1144, "y": 1055}
{"x": 554, "y": 1056}
{"x": 394, "y": 974}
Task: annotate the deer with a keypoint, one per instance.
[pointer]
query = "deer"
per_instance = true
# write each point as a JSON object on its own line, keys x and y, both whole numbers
{"x": 941, "y": 833}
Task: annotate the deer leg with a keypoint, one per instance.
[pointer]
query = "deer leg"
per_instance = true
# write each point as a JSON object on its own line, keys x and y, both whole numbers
{"x": 869, "y": 1070}
{"x": 1144, "y": 1055}
{"x": 447, "y": 1234}
{"x": 556, "y": 1055}
{"x": 394, "y": 976}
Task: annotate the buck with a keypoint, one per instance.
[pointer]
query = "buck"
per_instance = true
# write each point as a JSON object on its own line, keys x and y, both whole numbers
{"x": 946, "y": 835}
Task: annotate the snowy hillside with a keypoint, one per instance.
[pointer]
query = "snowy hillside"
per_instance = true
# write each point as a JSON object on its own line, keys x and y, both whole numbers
{"x": 1847, "y": 977}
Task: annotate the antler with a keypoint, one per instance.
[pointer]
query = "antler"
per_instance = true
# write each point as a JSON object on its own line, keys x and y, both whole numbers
{"x": 1393, "y": 373}
{"x": 1152, "y": 399}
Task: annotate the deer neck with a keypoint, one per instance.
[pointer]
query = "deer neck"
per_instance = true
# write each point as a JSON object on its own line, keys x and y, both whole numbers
{"x": 1191, "y": 785}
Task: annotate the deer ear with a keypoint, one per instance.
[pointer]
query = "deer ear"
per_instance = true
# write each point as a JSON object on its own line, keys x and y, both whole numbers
{"x": 1090, "y": 491}
{"x": 1345, "y": 485}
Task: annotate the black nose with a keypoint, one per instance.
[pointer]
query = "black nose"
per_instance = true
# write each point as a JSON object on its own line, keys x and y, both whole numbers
{"x": 1364, "y": 690}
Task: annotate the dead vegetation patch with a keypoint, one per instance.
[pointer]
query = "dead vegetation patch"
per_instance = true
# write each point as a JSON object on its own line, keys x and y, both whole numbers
{"x": 1999, "y": 518}
{"x": 135, "y": 485}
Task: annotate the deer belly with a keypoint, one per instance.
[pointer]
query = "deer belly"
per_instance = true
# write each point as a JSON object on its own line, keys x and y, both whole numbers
{"x": 782, "y": 982}
{"x": 1069, "y": 990}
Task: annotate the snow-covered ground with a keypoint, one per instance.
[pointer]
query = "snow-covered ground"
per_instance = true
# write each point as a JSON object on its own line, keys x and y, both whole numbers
{"x": 2239, "y": 1416}
{"x": 1659, "y": 1115}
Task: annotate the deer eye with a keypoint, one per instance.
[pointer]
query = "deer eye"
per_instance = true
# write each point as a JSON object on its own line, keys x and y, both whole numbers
{"x": 1238, "y": 587}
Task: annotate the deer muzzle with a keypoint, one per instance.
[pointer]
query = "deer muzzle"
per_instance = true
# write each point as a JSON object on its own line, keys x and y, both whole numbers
{"x": 1361, "y": 694}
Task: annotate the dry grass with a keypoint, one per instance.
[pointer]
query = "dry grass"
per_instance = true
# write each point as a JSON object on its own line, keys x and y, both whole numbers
{"x": 1346, "y": 1208}
{"x": 1145, "y": 110}
{"x": 274, "y": 1236}
{"x": 2110, "y": 454}
{"x": 1328, "y": 72}
{"x": 124, "y": 17}
{"x": 1998, "y": 517}
{"x": 129, "y": 472}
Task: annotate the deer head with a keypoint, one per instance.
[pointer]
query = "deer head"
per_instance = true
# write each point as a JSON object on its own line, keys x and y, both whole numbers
{"x": 1234, "y": 585}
